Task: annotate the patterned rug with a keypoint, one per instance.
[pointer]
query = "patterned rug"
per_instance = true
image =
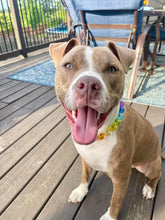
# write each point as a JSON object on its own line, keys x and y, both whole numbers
{"x": 151, "y": 92}
{"x": 42, "y": 74}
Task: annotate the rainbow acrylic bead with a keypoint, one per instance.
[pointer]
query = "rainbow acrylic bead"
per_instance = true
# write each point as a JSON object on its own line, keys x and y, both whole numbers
{"x": 115, "y": 124}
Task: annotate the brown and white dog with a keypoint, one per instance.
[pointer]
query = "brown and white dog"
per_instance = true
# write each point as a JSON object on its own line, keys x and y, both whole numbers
{"x": 89, "y": 83}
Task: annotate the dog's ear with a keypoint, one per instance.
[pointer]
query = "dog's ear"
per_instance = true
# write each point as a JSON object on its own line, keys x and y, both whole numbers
{"x": 125, "y": 55}
{"x": 58, "y": 50}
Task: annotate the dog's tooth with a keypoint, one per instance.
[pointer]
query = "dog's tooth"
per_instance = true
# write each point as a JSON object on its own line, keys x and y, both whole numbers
{"x": 98, "y": 116}
{"x": 74, "y": 114}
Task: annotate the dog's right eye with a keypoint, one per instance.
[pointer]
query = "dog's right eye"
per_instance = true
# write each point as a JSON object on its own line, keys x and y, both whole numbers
{"x": 112, "y": 69}
{"x": 68, "y": 66}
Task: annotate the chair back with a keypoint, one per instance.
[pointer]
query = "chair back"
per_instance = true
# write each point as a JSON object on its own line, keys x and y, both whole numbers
{"x": 103, "y": 20}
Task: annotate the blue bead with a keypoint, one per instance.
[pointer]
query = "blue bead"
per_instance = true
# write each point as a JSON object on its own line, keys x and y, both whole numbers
{"x": 121, "y": 110}
{"x": 120, "y": 116}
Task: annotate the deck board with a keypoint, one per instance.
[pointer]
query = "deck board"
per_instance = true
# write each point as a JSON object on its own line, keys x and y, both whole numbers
{"x": 51, "y": 175}
{"x": 20, "y": 93}
{"x": 3, "y": 82}
{"x": 25, "y": 111}
{"x": 9, "y": 84}
{"x": 134, "y": 205}
{"x": 13, "y": 107}
{"x": 17, "y": 131}
{"x": 28, "y": 141}
{"x": 39, "y": 166}
{"x": 13, "y": 91}
{"x": 57, "y": 209}
{"x": 2, "y": 105}
{"x": 38, "y": 156}
{"x": 158, "y": 122}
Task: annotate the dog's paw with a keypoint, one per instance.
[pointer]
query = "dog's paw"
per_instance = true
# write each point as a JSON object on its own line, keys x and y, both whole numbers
{"x": 106, "y": 216}
{"x": 147, "y": 192}
{"x": 79, "y": 193}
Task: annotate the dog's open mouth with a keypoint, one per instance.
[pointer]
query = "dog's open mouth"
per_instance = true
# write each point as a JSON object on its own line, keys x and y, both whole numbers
{"x": 85, "y": 123}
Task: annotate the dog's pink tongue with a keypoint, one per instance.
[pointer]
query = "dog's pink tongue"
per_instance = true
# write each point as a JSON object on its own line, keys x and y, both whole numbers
{"x": 85, "y": 128}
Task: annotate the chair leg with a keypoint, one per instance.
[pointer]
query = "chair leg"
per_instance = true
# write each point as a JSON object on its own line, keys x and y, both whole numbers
{"x": 136, "y": 64}
{"x": 160, "y": 44}
{"x": 133, "y": 76}
{"x": 146, "y": 51}
{"x": 155, "y": 46}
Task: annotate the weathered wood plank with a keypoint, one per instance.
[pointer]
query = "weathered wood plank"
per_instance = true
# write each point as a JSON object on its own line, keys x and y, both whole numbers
{"x": 34, "y": 136}
{"x": 9, "y": 109}
{"x": 60, "y": 208}
{"x": 2, "y": 105}
{"x": 32, "y": 60}
{"x": 32, "y": 163}
{"x": 14, "y": 62}
{"x": 26, "y": 124}
{"x": 97, "y": 200}
{"x": 159, "y": 211}
{"x": 140, "y": 108}
{"x": 19, "y": 94}
{"x": 13, "y": 89}
{"x": 127, "y": 103}
{"x": 4, "y": 81}
{"x": 8, "y": 85}
{"x": 26, "y": 110}
{"x": 134, "y": 206}
{"x": 34, "y": 195}
{"x": 157, "y": 118}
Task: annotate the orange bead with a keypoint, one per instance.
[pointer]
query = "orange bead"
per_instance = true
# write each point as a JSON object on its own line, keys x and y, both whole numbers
{"x": 100, "y": 136}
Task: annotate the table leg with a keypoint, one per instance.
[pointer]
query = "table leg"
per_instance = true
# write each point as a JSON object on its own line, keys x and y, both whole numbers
{"x": 155, "y": 46}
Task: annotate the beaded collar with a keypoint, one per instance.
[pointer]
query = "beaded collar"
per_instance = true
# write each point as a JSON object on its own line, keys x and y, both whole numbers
{"x": 114, "y": 125}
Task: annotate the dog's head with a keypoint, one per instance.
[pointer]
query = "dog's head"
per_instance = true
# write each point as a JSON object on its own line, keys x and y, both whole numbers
{"x": 89, "y": 82}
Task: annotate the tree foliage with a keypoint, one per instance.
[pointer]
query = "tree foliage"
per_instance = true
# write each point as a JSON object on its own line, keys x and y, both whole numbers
{"x": 34, "y": 13}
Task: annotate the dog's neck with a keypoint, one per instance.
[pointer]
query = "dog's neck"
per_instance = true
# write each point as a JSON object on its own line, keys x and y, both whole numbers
{"x": 112, "y": 122}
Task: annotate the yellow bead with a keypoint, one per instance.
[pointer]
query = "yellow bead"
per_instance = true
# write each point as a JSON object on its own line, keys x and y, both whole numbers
{"x": 112, "y": 127}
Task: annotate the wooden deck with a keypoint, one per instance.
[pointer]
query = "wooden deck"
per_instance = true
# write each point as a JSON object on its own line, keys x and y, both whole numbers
{"x": 39, "y": 165}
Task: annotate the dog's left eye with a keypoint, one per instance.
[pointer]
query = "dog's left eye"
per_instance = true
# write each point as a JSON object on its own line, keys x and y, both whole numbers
{"x": 112, "y": 69}
{"x": 68, "y": 65}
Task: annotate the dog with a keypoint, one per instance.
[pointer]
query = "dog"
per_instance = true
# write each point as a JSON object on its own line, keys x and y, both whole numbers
{"x": 109, "y": 136}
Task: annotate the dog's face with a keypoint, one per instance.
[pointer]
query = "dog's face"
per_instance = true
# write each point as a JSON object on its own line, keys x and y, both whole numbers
{"x": 89, "y": 83}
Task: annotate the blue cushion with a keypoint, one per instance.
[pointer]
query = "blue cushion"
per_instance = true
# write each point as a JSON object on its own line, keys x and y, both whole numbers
{"x": 107, "y": 12}
{"x": 93, "y": 5}
{"x": 104, "y": 43}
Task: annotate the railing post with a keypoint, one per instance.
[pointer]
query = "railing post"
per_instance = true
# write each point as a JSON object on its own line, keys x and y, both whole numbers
{"x": 18, "y": 27}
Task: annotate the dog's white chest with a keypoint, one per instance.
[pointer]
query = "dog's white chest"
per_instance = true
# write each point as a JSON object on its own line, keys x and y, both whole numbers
{"x": 97, "y": 154}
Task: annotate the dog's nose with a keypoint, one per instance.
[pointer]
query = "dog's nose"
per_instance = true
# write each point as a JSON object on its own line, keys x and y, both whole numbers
{"x": 88, "y": 84}
{"x": 87, "y": 89}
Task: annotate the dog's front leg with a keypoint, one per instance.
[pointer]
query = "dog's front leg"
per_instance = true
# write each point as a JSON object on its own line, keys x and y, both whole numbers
{"x": 119, "y": 190}
{"x": 80, "y": 192}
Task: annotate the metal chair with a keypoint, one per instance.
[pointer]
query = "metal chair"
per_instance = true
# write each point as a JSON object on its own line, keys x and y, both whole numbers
{"x": 102, "y": 21}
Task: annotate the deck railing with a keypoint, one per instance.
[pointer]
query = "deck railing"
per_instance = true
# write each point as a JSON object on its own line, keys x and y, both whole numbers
{"x": 27, "y": 25}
